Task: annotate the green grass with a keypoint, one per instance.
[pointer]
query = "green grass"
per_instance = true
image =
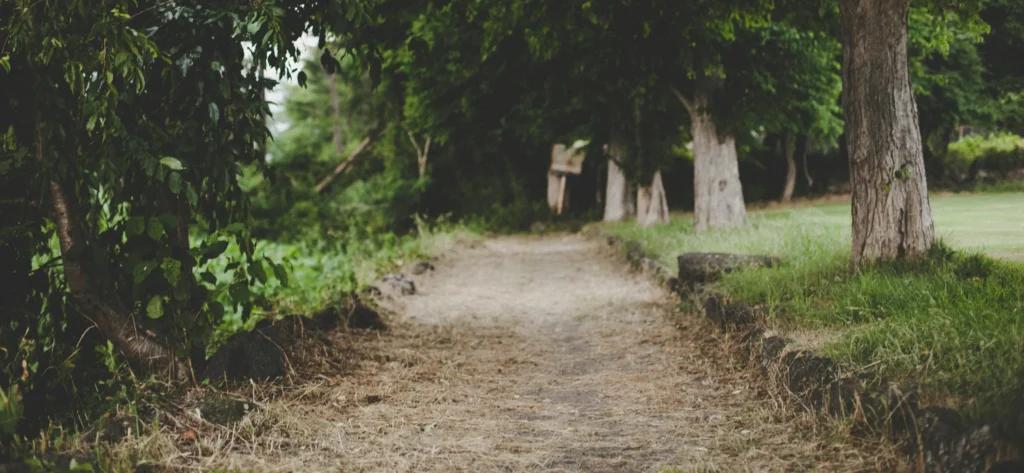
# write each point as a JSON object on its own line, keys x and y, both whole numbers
{"x": 954, "y": 323}
{"x": 323, "y": 271}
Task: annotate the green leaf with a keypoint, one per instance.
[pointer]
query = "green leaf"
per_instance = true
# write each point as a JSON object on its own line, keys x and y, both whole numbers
{"x": 134, "y": 226}
{"x": 155, "y": 308}
{"x": 215, "y": 249}
{"x": 75, "y": 466}
{"x": 174, "y": 182}
{"x": 280, "y": 273}
{"x": 172, "y": 271}
{"x": 208, "y": 277}
{"x": 142, "y": 270}
{"x": 236, "y": 228}
{"x": 190, "y": 194}
{"x": 239, "y": 292}
{"x": 183, "y": 290}
{"x": 214, "y": 112}
{"x": 169, "y": 221}
{"x": 302, "y": 79}
{"x": 257, "y": 270}
{"x": 216, "y": 309}
{"x": 173, "y": 163}
{"x": 10, "y": 410}
{"x": 155, "y": 229}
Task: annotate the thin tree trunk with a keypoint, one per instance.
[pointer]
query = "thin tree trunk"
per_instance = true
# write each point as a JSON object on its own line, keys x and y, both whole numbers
{"x": 339, "y": 146}
{"x": 718, "y": 194}
{"x": 95, "y": 301}
{"x": 618, "y": 200}
{"x": 788, "y": 145}
{"x": 421, "y": 153}
{"x": 261, "y": 148}
{"x": 652, "y": 203}
{"x": 891, "y": 213}
{"x": 803, "y": 157}
{"x": 554, "y": 189}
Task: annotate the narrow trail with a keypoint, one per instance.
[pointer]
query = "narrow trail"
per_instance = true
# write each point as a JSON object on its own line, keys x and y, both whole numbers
{"x": 543, "y": 355}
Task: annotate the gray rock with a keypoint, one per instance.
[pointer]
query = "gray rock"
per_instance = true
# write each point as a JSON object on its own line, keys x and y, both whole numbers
{"x": 422, "y": 267}
{"x": 707, "y": 267}
{"x": 371, "y": 291}
{"x": 949, "y": 446}
{"x": 400, "y": 283}
{"x": 224, "y": 411}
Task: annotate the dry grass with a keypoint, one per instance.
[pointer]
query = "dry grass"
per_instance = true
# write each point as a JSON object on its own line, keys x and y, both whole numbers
{"x": 524, "y": 355}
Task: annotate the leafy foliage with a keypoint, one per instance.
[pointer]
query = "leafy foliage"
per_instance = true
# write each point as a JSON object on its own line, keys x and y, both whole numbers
{"x": 121, "y": 140}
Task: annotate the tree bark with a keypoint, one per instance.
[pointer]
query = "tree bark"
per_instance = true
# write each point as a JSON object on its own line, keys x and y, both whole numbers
{"x": 95, "y": 301}
{"x": 718, "y": 194}
{"x": 652, "y": 204}
{"x": 618, "y": 202}
{"x": 891, "y": 213}
{"x": 805, "y": 146}
{"x": 788, "y": 145}
{"x": 421, "y": 154}
{"x": 332, "y": 86}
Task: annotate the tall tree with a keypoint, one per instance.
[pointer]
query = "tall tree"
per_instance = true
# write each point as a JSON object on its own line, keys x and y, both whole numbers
{"x": 891, "y": 212}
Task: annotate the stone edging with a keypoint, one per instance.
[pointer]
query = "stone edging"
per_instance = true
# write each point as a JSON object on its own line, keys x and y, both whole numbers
{"x": 935, "y": 438}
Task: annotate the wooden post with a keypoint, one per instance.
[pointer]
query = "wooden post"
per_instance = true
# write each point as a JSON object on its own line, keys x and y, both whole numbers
{"x": 561, "y": 194}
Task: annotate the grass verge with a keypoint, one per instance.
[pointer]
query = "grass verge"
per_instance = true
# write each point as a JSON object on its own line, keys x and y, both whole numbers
{"x": 953, "y": 323}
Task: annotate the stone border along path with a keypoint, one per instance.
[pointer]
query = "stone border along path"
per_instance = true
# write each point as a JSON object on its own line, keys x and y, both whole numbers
{"x": 527, "y": 354}
{"x": 935, "y": 439}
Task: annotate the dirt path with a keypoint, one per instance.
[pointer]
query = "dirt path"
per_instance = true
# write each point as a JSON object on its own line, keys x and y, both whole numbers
{"x": 540, "y": 355}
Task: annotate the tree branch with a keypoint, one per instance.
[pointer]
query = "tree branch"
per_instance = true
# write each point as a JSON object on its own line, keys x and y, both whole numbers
{"x": 412, "y": 138}
{"x": 421, "y": 154}
{"x": 346, "y": 165}
{"x": 683, "y": 100}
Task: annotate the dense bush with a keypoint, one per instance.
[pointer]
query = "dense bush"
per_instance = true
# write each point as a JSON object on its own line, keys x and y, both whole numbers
{"x": 984, "y": 158}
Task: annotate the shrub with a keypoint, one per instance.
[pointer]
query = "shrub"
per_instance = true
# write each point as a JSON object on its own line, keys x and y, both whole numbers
{"x": 984, "y": 158}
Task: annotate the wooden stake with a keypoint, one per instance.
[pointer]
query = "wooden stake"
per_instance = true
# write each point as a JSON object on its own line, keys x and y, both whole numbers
{"x": 561, "y": 194}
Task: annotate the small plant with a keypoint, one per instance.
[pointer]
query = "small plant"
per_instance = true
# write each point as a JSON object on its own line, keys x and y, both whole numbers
{"x": 10, "y": 409}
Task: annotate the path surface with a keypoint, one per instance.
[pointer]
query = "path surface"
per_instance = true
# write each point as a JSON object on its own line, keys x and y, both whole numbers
{"x": 542, "y": 355}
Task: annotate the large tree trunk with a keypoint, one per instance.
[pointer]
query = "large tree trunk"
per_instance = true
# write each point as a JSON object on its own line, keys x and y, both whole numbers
{"x": 891, "y": 213}
{"x": 718, "y": 194}
{"x": 651, "y": 203}
{"x": 618, "y": 201}
{"x": 788, "y": 145}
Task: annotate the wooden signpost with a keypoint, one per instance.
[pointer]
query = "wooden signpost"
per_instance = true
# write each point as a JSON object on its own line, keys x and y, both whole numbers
{"x": 564, "y": 161}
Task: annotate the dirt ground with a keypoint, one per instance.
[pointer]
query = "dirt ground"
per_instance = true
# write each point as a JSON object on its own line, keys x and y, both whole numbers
{"x": 534, "y": 355}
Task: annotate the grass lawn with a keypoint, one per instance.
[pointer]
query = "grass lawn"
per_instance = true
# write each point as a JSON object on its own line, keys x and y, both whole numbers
{"x": 954, "y": 323}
